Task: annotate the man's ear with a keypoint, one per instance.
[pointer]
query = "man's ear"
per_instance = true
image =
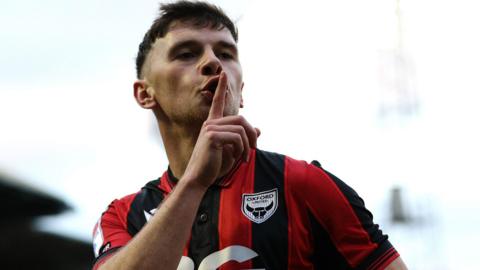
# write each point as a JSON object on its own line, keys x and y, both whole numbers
{"x": 144, "y": 94}
{"x": 241, "y": 95}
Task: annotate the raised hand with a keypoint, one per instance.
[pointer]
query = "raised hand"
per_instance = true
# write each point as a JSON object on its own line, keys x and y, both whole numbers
{"x": 222, "y": 141}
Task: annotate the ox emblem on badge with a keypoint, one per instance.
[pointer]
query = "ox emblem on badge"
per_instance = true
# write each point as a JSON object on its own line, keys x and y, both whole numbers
{"x": 258, "y": 207}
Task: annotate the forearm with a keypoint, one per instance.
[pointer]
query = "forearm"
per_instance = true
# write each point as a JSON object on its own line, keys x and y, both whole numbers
{"x": 162, "y": 239}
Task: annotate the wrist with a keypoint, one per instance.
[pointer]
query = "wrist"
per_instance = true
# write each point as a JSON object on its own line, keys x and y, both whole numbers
{"x": 192, "y": 183}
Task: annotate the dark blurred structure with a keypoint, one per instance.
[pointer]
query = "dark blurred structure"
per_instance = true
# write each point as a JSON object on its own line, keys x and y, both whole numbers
{"x": 22, "y": 246}
{"x": 398, "y": 214}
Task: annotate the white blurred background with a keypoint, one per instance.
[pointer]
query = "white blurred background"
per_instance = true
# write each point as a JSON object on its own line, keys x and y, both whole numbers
{"x": 382, "y": 92}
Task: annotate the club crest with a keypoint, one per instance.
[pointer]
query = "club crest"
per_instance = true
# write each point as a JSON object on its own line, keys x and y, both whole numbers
{"x": 258, "y": 207}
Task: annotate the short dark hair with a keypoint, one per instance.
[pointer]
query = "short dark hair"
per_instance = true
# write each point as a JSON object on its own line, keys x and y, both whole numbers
{"x": 199, "y": 14}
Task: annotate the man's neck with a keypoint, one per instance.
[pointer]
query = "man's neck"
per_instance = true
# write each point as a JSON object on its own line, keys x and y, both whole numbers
{"x": 179, "y": 143}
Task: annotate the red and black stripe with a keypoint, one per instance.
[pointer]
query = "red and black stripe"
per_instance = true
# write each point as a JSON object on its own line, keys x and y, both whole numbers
{"x": 270, "y": 238}
{"x": 319, "y": 222}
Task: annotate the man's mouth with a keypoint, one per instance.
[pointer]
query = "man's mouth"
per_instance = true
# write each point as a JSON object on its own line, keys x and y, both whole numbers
{"x": 211, "y": 85}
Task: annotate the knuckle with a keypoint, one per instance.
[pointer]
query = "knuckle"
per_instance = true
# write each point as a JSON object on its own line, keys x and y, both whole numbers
{"x": 208, "y": 128}
{"x": 239, "y": 140}
{"x": 207, "y": 122}
{"x": 241, "y": 118}
{"x": 210, "y": 135}
{"x": 242, "y": 130}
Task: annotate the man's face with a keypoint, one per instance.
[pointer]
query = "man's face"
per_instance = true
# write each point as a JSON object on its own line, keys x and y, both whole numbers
{"x": 183, "y": 68}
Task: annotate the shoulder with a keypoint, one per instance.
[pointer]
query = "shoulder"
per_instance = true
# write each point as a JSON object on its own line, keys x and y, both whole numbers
{"x": 302, "y": 179}
{"x": 133, "y": 204}
{"x": 297, "y": 172}
{"x": 275, "y": 160}
{"x": 123, "y": 218}
{"x": 145, "y": 201}
{"x": 144, "y": 192}
{"x": 299, "y": 169}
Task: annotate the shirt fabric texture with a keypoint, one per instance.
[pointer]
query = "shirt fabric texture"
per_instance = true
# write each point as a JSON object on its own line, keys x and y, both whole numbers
{"x": 273, "y": 212}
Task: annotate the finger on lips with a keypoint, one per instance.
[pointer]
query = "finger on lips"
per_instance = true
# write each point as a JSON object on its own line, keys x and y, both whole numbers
{"x": 218, "y": 101}
{"x": 230, "y": 130}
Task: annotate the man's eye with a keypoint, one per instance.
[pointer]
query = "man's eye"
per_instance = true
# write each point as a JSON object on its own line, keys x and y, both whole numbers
{"x": 226, "y": 55}
{"x": 185, "y": 56}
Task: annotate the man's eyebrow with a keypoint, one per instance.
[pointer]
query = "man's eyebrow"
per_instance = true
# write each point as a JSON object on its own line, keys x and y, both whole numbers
{"x": 228, "y": 45}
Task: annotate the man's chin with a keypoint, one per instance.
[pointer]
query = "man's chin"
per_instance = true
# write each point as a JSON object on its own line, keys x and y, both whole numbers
{"x": 199, "y": 116}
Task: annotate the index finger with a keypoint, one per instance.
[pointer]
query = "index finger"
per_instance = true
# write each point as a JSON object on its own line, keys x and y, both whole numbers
{"x": 218, "y": 101}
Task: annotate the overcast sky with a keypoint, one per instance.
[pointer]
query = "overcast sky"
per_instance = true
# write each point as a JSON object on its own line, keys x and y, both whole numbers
{"x": 319, "y": 83}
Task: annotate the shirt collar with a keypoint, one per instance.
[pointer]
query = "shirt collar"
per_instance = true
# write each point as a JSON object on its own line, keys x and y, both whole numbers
{"x": 221, "y": 182}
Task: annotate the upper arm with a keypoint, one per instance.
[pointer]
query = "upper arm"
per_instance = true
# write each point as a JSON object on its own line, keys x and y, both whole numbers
{"x": 346, "y": 223}
{"x": 110, "y": 233}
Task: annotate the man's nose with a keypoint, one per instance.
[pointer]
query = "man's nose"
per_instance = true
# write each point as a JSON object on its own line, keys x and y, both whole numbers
{"x": 210, "y": 64}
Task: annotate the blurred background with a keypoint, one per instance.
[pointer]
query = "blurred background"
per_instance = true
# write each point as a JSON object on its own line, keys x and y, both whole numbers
{"x": 383, "y": 93}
